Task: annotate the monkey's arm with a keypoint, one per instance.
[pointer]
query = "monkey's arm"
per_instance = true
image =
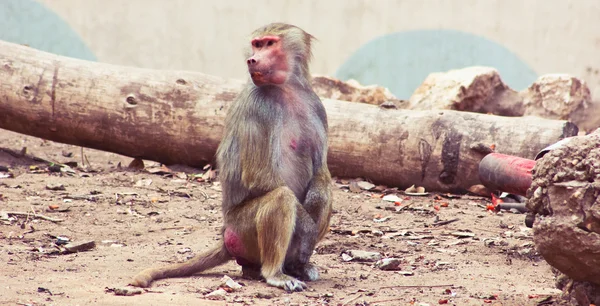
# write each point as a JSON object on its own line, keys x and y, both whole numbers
{"x": 318, "y": 201}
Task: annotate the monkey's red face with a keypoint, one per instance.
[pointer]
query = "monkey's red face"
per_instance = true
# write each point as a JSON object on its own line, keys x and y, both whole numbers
{"x": 268, "y": 64}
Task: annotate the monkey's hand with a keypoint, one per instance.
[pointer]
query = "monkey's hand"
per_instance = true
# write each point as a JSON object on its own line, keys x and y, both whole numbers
{"x": 318, "y": 200}
{"x": 286, "y": 282}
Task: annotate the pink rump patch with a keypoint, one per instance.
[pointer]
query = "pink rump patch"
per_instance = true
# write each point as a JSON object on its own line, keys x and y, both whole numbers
{"x": 233, "y": 243}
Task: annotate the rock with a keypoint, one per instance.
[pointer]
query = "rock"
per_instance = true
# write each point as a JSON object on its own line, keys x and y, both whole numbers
{"x": 578, "y": 293}
{"x": 463, "y": 234}
{"x": 415, "y": 190}
{"x": 564, "y": 198}
{"x": 78, "y": 247}
{"x": 218, "y": 294}
{"x": 230, "y": 283}
{"x": 475, "y": 89}
{"x": 392, "y": 198}
{"x": 357, "y": 255}
{"x": 55, "y": 187}
{"x": 331, "y": 88}
{"x": 388, "y": 264}
{"x": 124, "y": 291}
{"x": 365, "y": 185}
{"x": 563, "y": 97}
{"x": 479, "y": 190}
{"x": 377, "y": 233}
{"x": 184, "y": 250}
{"x": 480, "y": 89}
{"x": 143, "y": 182}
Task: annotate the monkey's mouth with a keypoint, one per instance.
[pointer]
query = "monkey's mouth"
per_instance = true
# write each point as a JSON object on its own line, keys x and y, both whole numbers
{"x": 267, "y": 77}
{"x": 259, "y": 78}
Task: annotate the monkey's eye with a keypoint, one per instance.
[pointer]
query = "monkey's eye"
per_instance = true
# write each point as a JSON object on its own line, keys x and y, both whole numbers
{"x": 270, "y": 43}
{"x": 257, "y": 44}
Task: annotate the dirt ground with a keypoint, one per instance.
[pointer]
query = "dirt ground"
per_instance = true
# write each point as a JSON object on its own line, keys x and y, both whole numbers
{"x": 138, "y": 219}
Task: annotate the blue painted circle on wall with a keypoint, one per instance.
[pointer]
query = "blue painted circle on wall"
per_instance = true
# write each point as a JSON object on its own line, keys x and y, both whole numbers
{"x": 402, "y": 60}
{"x": 29, "y": 22}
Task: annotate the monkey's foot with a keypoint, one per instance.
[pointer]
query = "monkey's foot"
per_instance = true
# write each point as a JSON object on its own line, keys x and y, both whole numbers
{"x": 306, "y": 272}
{"x": 309, "y": 273}
{"x": 142, "y": 280}
{"x": 286, "y": 282}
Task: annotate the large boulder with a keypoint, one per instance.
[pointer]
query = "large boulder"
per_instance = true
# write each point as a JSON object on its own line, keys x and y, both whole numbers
{"x": 474, "y": 89}
{"x": 564, "y": 199}
{"x": 351, "y": 90}
{"x": 480, "y": 89}
{"x": 563, "y": 97}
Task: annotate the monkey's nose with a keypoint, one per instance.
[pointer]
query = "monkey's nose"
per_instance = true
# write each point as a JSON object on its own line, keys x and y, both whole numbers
{"x": 251, "y": 61}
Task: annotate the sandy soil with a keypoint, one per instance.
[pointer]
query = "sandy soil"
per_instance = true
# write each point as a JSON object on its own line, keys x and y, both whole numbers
{"x": 138, "y": 219}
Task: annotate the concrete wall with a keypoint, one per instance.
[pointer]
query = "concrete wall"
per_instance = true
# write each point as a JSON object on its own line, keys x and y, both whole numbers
{"x": 392, "y": 43}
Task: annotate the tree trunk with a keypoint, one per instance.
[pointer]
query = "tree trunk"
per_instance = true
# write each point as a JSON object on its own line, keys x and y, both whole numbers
{"x": 177, "y": 117}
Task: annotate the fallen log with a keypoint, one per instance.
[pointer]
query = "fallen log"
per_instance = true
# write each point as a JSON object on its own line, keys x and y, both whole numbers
{"x": 176, "y": 117}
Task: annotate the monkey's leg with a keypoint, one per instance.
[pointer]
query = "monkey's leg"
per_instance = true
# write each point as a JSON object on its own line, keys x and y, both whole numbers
{"x": 265, "y": 226}
{"x": 251, "y": 272}
{"x": 275, "y": 222}
{"x": 316, "y": 208}
{"x": 302, "y": 246}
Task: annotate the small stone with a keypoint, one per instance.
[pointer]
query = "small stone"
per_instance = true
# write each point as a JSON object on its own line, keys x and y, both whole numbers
{"x": 126, "y": 291}
{"x": 463, "y": 234}
{"x": 377, "y": 233}
{"x": 143, "y": 182}
{"x": 418, "y": 190}
{"x": 388, "y": 264}
{"x": 79, "y": 247}
{"x": 365, "y": 185}
{"x": 525, "y": 251}
{"x": 218, "y": 294}
{"x": 184, "y": 250}
{"x": 392, "y": 198}
{"x": 230, "y": 283}
{"x": 346, "y": 257}
{"x": 55, "y": 187}
{"x": 261, "y": 295}
{"x": 365, "y": 256}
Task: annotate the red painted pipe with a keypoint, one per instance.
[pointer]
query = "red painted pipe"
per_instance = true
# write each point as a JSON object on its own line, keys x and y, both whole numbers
{"x": 506, "y": 173}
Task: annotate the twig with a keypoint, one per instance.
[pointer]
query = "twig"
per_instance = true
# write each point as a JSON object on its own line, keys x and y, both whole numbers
{"x": 172, "y": 228}
{"x": 416, "y": 286}
{"x": 23, "y": 154}
{"x": 389, "y": 300}
{"x": 27, "y": 214}
{"x": 520, "y": 207}
{"x": 15, "y": 153}
{"x": 406, "y": 206}
{"x": 352, "y": 299}
{"x": 445, "y": 222}
{"x": 487, "y": 230}
{"x": 206, "y": 197}
{"x": 87, "y": 160}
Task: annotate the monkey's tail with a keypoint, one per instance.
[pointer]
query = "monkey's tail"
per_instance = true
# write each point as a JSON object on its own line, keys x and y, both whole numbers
{"x": 216, "y": 256}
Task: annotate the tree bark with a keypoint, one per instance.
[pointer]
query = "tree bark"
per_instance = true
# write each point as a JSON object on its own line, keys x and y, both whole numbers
{"x": 177, "y": 117}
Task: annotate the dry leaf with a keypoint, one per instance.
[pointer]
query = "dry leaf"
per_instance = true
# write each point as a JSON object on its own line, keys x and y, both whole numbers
{"x": 136, "y": 163}
{"x": 354, "y": 187}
